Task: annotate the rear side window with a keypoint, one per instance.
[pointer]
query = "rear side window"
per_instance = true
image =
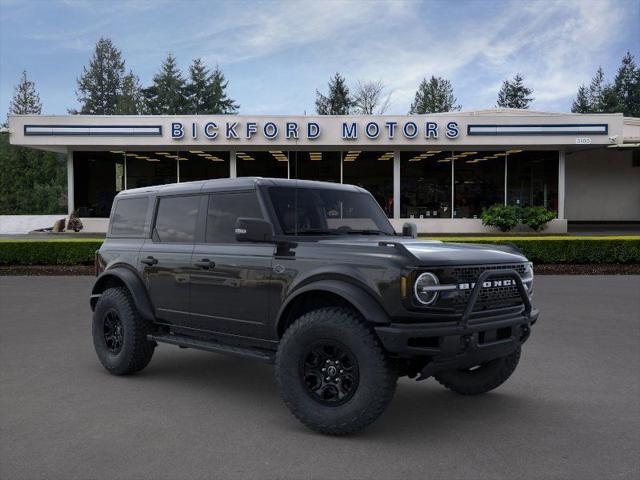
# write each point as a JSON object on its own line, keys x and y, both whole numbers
{"x": 176, "y": 219}
{"x": 128, "y": 217}
{"x": 224, "y": 210}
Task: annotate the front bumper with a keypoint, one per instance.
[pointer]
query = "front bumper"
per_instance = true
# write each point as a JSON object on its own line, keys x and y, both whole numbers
{"x": 464, "y": 343}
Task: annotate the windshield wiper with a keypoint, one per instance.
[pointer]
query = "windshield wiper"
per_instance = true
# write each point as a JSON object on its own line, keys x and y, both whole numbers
{"x": 366, "y": 232}
{"x": 314, "y": 232}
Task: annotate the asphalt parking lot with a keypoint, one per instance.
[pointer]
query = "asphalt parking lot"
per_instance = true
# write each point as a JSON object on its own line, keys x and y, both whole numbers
{"x": 571, "y": 410}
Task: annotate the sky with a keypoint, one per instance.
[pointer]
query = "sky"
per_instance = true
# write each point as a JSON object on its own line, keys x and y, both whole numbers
{"x": 275, "y": 54}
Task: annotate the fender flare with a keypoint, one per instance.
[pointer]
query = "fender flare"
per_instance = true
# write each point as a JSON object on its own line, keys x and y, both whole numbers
{"x": 134, "y": 284}
{"x": 357, "y": 296}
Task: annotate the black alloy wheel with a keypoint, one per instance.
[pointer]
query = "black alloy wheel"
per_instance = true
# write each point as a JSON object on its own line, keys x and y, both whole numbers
{"x": 330, "y": 373}
{"x": 113, "y": 334}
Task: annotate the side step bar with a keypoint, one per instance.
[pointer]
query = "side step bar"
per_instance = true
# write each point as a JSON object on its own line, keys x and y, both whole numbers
{"x": 186, "y": 342}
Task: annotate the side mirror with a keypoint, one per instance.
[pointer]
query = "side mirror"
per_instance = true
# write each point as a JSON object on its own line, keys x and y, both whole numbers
{"x": 253, "y": 230}
{"x": 410, "y": 230}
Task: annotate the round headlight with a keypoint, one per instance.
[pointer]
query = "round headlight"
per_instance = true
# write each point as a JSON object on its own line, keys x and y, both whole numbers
{"x": 423, "y": 288}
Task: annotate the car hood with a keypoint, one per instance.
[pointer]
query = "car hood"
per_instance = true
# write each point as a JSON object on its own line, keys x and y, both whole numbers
{"x": 435, "y": 252}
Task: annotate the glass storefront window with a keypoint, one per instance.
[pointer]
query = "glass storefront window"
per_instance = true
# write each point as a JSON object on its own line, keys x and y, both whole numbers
{"x": 425, "y": 185}
{"x": 202, "y": 165}
{"x": 272, "y": 164}
{"x": 145, "y": 169}
{"x": 372, "y": 171}
{"x": 98, "y": 177}
{"x": 324, "y": 166}
{"x": 532, "y": 179}
{"x": 478, "y": 182}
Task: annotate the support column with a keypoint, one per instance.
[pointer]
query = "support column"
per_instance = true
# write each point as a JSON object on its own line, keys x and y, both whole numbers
{"x": 232, "y": 164}
{"x": 561, "y": 178}
{"x": 396, "y": 184}
{"x": 71, "y": 196}
{"x": 506, "y": 171}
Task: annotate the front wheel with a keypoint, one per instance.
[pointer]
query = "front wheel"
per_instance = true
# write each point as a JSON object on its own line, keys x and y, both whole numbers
{"x": 480, "y": 378}
{"x": 332, "y": 372}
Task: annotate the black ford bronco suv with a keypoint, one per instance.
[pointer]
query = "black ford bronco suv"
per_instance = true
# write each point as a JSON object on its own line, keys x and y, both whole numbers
{"x": 312, "y": 277}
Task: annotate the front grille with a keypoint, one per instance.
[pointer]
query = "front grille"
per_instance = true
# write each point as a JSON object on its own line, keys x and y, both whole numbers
{"x": 490, "y": 297}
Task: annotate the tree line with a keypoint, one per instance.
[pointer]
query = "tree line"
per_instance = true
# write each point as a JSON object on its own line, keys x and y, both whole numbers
{"x": 435, "y": 95}
{"x": 33, "y": 181}
{"x": 106, "y": 88}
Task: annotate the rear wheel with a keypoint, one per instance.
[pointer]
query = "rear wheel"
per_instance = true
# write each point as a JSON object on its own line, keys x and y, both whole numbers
{"x": 120, "y": 333}
{"x": 480, "y": 378}
{"x": 332, "y": 372}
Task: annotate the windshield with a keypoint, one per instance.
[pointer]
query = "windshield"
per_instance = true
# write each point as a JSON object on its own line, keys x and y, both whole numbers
{"x": 316, "y": 211}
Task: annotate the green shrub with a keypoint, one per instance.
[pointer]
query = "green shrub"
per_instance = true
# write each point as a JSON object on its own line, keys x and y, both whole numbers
{"x": 505, "y": 218}
{"x": 551, "y": 249}
{"x": 537, "y": 217}
{"x": 568, "y": 250}
{"x": 48, "y": 252}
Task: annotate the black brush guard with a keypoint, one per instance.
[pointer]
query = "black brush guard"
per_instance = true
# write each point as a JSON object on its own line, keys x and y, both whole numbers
{"x": 450, "y": 346}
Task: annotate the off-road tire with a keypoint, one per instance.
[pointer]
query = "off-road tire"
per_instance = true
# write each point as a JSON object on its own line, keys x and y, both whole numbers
{"x": 136, "y": 351}
{"x": 482, "y": 379}
{"x": 377, "y": 373}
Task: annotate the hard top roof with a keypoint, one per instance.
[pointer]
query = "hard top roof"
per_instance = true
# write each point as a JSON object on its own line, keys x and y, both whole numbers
{"x": 240, "y": 183}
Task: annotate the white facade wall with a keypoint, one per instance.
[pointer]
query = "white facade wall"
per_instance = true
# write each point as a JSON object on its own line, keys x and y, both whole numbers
{"x": 602, "y": 186}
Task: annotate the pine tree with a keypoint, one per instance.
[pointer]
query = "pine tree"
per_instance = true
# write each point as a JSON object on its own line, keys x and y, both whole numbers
{"x": 99, "y": 86}
{"x": 130, "y": 101}
{"x": 514, "y": 94}
{"x": 596, "y": 91}
{"x": 206, "y": 92}
{"x": 25, "y": 99}
{"x": 196, "y": 89}
{"x": 167, "y": 95}
{"x": 581, "y": 104}
{"x": 31, "y": 181}
{"x": 218, "y": 100}
{"x": 434, "y": 95}
{"x": 338, "y": 101}
{"x": 627, "y": 86}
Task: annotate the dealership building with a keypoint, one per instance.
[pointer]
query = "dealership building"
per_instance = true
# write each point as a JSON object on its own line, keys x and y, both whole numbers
{"x": 437, "y": 170}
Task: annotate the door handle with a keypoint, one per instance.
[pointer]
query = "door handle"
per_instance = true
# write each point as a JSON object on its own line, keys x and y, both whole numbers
{"x": 149, "y": 261}
{"x": 205, "y": 263}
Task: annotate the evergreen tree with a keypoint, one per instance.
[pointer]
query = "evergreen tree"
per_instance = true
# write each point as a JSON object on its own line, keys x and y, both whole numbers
{"x": 433, "y": 96}
{"x": 31, "y": 181}
{"x": 514, "y": 94}
{"x": 338, "y": 101}
{"x": 581, "y": 104}
{"x": 206, "y": 92}
{"x": 596, "y": 91}
{"x": 100, "y": 85}
{"x": 25, "y": 99}
{"x": 627, "y": 86}
{"x": 130, "y": 101}
{"x": 219, "y": 102}
{"x": 167, "y": 95}
{"x": 196, "y": 89}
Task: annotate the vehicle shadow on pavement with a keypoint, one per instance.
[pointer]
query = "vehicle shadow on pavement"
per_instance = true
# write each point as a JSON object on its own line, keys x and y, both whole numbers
{"x": 419, "y": 409}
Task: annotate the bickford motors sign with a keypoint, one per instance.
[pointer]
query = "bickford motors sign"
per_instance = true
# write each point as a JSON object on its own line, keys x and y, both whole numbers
{"x": 294, "y": 130}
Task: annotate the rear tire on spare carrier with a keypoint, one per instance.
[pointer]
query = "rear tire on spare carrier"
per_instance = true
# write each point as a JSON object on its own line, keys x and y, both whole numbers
{"x": 332, "y": 372}
{"x": 482, "y": 378}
